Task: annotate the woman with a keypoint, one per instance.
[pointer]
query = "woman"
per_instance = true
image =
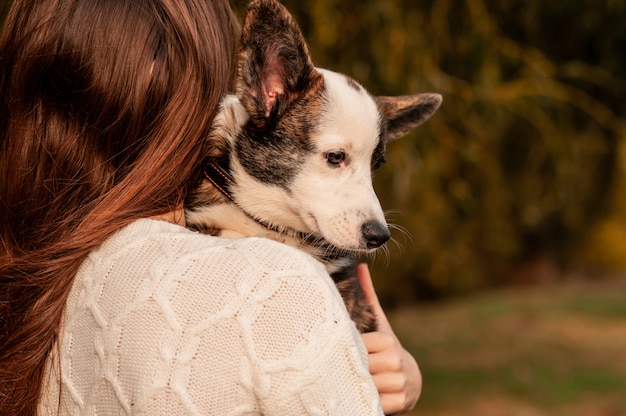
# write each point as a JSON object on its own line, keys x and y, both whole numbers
{"x": 107, "y": 304}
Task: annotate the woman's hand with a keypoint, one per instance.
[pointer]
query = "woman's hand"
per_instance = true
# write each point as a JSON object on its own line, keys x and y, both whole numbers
{"x": 394, "y": 370}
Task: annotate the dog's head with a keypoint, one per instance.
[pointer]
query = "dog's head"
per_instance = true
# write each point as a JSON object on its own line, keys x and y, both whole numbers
{"x": 304, "y": 159}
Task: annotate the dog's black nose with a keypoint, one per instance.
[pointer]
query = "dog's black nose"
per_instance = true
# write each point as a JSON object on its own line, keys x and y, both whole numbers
{"x": 375, "y": 234}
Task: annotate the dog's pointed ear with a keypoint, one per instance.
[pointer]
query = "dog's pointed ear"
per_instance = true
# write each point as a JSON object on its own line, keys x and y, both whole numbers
{"x": 274, "y": 64}
{"x": 405, "y": 113}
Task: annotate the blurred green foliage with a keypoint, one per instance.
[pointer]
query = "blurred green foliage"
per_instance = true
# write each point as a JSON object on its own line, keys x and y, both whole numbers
{"x": 523, "y": 162}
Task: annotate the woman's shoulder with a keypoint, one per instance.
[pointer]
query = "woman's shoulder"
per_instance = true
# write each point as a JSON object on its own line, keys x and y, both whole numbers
{"x": 155, "y": 238}
{"x": 192, "y": 283}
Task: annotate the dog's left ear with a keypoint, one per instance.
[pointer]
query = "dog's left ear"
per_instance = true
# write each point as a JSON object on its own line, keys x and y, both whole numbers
{"x": 274, "y": 63}
{"x": 405, "y": 113}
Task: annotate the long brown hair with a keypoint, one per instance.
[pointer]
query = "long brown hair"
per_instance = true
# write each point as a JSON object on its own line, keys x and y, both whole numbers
{"x": 103, "y": 108}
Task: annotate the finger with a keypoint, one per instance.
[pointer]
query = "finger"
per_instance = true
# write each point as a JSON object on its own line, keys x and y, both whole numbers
{"x": 393, "y": 403}
{"x": 390, "y": 382}
{"x": 378, "y": 341}
{"x": 385, "y": 362}
{"x": 365, "y": 280}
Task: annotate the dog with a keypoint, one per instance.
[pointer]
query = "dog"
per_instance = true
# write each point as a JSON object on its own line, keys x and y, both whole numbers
{"x": 293, "y": 154}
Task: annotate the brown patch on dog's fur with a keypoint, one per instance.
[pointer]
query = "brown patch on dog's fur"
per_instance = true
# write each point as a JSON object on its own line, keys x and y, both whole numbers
{"x": 202, "y": 228}
{"x": 352, "y": 294}
{"x": 353, "y": 84}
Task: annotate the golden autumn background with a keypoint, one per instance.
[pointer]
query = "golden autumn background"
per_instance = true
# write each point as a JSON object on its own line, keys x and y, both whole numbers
{"x": 507, "y": 283}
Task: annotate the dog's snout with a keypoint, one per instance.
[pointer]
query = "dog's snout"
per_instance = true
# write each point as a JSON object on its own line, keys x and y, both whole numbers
{"x": 375, "y": 234}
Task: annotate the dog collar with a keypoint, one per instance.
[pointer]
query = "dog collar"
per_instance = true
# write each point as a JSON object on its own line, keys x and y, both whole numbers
{"x": 220, "y": 178}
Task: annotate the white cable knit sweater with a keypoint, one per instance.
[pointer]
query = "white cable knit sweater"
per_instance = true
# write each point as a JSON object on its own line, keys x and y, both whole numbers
{"x": 165, "y": 321}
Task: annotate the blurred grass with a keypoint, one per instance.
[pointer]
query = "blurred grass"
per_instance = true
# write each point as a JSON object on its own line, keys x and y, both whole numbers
{"x": 554, "y": 349}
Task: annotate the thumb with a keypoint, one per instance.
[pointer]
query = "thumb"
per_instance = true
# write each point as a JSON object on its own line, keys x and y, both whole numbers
{"x": 365, "y": 280}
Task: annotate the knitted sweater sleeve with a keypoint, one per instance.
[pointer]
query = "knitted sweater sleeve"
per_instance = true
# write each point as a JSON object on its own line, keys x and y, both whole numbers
{"x": 161, "y": 321}
{"x": 309, "y": 356}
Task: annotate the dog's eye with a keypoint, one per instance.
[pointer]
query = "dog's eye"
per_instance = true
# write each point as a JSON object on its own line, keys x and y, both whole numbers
{"x": 335, "y": 157}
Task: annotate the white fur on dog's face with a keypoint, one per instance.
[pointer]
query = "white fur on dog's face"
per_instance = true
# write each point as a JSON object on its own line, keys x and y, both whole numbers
{"x": 333, "y": 201}
{"x": 338, "y": 199}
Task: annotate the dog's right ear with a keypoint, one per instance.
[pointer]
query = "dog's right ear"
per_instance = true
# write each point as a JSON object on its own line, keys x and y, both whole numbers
{"x": 274, "y": 66}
